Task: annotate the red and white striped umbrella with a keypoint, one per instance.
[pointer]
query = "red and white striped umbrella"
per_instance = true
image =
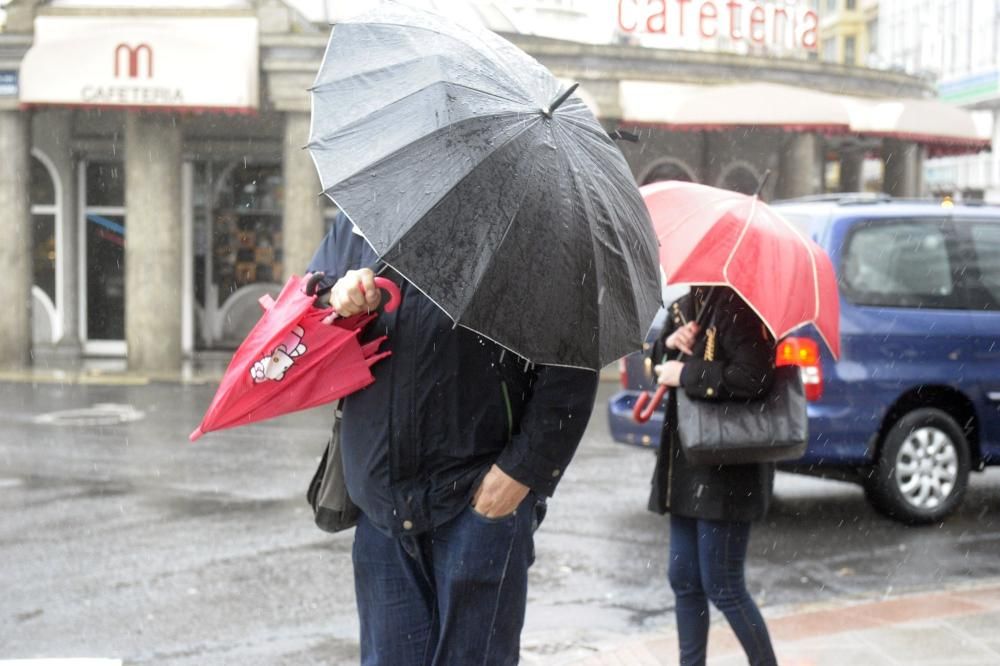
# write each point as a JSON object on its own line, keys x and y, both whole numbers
{"x": 712, "y": 236}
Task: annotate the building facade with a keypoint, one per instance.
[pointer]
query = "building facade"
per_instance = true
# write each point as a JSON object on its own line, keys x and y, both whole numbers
{"x": 152, "y": 190}
{"x": 849, "y": 31}
{"x": 955, "y": 43}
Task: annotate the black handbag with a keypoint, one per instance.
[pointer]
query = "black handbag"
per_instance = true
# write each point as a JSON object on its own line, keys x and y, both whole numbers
{"x": 737, "y": 432}
{"x": 332, "y": 507}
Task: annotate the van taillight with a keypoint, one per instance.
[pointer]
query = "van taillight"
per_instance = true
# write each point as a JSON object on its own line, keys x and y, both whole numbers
{"x": 803, "y": 353}
{"x": 623, "y": 372}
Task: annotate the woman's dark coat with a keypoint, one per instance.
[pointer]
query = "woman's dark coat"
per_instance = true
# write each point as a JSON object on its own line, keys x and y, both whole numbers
{"x": 741, "y": 368}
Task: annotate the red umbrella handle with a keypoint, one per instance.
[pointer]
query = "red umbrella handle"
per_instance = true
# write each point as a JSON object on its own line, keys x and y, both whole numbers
{"x": 642, "y": 415}
{"x": 394, "y": 296}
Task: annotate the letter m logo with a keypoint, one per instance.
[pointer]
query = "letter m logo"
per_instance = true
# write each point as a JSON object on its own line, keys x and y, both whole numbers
{"x": 128, "y": 59}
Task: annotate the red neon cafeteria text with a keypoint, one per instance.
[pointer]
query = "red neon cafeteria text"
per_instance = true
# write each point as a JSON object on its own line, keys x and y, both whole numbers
{"x": 779, "y": 23}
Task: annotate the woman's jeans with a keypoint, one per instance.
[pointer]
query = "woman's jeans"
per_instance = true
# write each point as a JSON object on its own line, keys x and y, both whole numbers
{"x": 454, "y": 596}
{"x": 706, "y": 564}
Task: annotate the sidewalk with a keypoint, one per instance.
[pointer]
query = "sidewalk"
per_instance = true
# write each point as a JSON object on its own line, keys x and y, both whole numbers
{"x": 960, "y": 627}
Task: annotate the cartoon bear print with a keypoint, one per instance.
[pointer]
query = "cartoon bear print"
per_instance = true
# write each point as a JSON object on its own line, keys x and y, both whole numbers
{"x": 274, "y": 366}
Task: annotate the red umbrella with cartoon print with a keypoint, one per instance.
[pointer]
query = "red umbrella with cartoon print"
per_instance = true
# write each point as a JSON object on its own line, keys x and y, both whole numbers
{"x": 291, "y": 361}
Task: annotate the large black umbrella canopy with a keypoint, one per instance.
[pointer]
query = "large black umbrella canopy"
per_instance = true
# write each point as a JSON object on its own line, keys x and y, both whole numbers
{"x": 511, "y": 208}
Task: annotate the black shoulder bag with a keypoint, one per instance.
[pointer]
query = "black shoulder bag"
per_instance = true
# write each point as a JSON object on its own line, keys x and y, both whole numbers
{"x": 333, "y": 509}
{"x": 738, "y": 432}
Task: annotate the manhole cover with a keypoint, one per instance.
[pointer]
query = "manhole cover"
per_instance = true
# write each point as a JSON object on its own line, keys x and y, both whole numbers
{"x": 97, "y": 415}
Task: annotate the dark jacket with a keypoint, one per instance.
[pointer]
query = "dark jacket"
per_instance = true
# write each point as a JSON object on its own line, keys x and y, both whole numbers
{"x": 445, "y": 406}
{"x": 741, "y": 368}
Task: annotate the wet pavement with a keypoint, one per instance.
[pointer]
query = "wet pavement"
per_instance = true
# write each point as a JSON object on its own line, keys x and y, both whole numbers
{"x": 120, "y": 539}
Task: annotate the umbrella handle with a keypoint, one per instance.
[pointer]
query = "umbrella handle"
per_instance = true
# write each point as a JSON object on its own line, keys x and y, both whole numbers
{"x": 641, "y": 415}
{"x": 380, "y": 282}
{"x": 314, "y": 280}
{"x": 394, "y": 295}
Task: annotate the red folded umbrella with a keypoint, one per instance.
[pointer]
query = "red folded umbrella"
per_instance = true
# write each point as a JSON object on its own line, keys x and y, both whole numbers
{"x": 710, "y": 236}
{"x": 291, "y": 361}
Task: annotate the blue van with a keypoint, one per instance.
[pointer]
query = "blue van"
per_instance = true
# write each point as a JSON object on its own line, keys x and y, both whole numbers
{"x": 913, "y": 405}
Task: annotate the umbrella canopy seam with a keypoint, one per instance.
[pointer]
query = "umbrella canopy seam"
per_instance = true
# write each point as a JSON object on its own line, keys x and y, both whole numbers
{"x": 481, "y": 38}
{"x": 486, "y": 156}
{"x": 457, "y": 317}
{"x": 615, "y": 231}
{"x": 326, "y": 85}
{"x": 318, "y": 143}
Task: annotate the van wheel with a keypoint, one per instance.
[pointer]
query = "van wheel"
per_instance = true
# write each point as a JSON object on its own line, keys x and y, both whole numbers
{"x": 922, "y": 470}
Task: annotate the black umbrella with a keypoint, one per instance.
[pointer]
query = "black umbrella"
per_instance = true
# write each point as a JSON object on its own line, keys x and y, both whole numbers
{"x": 478, "y": 178}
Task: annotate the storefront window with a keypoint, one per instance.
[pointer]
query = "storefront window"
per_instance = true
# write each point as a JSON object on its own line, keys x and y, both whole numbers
{"x": 246, "y": 235}
{"x": 105, "y": 184}
{"x": 104, "y": 246}
{"x": 105, "y": 276}
{"x": 43, "y": 219}
{"x": 42, "y": 187}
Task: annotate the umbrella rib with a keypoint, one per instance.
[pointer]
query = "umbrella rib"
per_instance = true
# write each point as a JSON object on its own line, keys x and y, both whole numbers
{"x": 318, "y": 142}
{"x": 325, "y": 86}
{"x": 725, "y": 271}
{"x": 633, "y": 278}
{"x": 480, "y": 333}
{"x": 393, "y": 154}
{"x": 479, "y": 38}
{"x": 527, "y": 125}
{"x": 812, "y": 262}
{"x": 694, "y": 213}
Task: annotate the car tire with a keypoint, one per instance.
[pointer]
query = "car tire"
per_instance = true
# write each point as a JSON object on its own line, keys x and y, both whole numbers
{"x": 922, "y": 470}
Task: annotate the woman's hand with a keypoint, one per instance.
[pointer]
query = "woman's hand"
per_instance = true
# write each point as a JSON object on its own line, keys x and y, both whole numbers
{"x": 353, "y": 294}
{"x": 669, "y": 373}
{"x": 683, "y": 338}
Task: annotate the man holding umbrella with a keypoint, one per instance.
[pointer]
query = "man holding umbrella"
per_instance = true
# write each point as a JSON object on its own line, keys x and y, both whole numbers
{"x": 471, "y": 177}
{"x": 450, "y": 455}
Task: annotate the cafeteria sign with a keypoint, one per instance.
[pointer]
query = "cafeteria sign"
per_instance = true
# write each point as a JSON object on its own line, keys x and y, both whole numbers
{"x": 782, "y": 24}
{"x": 167, "y": 63}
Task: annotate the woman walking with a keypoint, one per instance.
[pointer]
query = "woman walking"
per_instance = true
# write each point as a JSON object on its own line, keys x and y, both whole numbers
{"x": 726, "y": 354}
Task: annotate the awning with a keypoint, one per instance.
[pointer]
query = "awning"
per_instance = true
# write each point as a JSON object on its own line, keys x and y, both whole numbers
{"x": 169, "y": 63}
{"x": 942, "y": 127}
{"x": 690, "y": 107}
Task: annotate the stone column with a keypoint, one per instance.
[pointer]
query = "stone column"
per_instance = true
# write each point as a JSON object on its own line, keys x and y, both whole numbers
{"x": 851, "y": 166}
{"x": 16, "y": 273}
{"x": 800, "y": 167}
{"x": 302, "y": 221}
{"x": 153, "y": 242}
{"x": 902, "y": 159}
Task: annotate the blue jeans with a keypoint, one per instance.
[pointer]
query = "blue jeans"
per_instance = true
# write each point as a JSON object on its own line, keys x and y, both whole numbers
{"x": 454, "y": 596}
{"x": 706, "y": 564}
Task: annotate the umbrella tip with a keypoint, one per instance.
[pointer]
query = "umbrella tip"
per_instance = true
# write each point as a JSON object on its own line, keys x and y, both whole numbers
{"x": 196, "y": 434}
{"x": 559, "y": 100}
